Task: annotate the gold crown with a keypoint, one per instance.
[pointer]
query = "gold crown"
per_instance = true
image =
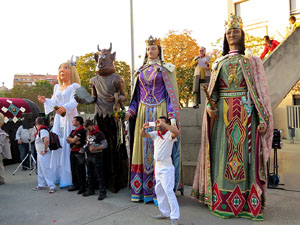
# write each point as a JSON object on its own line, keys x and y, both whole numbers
{"x": 233, "y": 22}
{"x": 152, "y": 41}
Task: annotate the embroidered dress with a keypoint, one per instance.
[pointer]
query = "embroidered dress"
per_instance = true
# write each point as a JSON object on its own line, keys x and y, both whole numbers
{"x": 234, "y": 170}
{"x": 151, "y": 100}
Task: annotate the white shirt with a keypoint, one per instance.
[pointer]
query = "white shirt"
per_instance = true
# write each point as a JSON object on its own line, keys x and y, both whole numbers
{"x": 201, "y": 61}
{"x": 163, "y": 147}
{"x": 39, "y": 143}
{"x": 25, "y": 134}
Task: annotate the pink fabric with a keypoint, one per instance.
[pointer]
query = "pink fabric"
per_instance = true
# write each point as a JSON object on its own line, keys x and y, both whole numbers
{"x": 202, "y": 181}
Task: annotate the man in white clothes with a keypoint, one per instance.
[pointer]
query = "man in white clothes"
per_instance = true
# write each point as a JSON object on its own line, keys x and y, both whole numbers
{"x": 163, "y": 140}
{"x": 25, "y": 137}
{"x": 45, "y": 173}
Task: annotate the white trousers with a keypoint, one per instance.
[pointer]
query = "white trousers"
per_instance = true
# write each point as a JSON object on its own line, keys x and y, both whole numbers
{"x": 45, "y": 173}
{"x": 166, "y": 198}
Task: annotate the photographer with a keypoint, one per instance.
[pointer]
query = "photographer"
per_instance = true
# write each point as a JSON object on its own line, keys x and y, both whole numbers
{"x": 25, "y": 137}
{"x": 95, "y": 143}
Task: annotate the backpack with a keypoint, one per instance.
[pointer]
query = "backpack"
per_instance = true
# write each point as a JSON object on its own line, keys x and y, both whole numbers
{"x": 54, "y": 142}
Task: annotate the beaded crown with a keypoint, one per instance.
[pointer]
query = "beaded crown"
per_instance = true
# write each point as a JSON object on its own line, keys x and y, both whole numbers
{"x": 152, "y": 41}
{"x": 233, "y": 22}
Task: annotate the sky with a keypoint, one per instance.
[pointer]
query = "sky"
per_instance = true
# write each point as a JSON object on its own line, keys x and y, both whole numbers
{"x": 38, "y": 35}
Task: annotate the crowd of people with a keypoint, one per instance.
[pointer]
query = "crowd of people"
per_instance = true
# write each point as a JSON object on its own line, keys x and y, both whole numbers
{"x": 236, "y": 136}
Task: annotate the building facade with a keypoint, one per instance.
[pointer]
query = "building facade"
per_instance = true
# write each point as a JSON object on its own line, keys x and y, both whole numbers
{"x": 265, "y": 17}
{"x": 30, "y": 79}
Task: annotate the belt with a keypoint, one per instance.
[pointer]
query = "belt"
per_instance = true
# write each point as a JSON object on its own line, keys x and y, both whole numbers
{"x": 232, "y": 94}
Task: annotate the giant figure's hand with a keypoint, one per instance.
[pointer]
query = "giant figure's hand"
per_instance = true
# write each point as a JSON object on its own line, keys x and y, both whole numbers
{"x": 61, "y": 110}
{"x": 211, "y": 112}
{"x": 262, "y": 128}
{"x": 42, "y": 99}
{"x": 127, "y": 116}
{"x": 110, "y": 99}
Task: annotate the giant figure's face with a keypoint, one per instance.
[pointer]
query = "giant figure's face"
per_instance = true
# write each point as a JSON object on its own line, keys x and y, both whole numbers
{"x": 234, "y": 36}
{"x": 105, "y": 62}
{"x": 152, "y": 52}
{"x": 64, "y": 73}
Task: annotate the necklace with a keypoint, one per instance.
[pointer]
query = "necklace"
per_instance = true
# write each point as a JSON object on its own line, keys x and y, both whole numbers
{"x": 233, "y": 68}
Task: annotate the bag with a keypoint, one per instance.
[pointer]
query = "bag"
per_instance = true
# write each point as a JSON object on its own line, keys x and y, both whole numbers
{"x": 54, "y": 142}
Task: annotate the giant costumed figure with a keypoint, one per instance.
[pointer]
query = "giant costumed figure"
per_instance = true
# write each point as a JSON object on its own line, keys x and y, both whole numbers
{"x": 108, "y": 94}
{"x": 65, "y": 106}
{"x": 155, "y": 94}
{"x": 237, "y": 132}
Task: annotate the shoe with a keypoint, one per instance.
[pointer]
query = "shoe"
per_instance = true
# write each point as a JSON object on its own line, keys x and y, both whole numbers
{"x": 174, "y": 222}
{"x": 2, "y": 182}
{"x": 81, "y": 191}
{"x": 37, "y": 188}
{"x": 73, "y": 188}
{"x": 160, "y": 217}
{"x": 88, "y": 193}
{"x": 24, "y": 169}
{"x": 51, "y": 191}
{"x": 101, "y": 197}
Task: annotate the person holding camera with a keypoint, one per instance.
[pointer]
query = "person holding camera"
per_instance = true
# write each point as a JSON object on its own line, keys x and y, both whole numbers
{"x": 45, "y": 173}
{"x": 95, "y": 144}
{"x": 76, "y": 139}
{"x": 164, "y": 139}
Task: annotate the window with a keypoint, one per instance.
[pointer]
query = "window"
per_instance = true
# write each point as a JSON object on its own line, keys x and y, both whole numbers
{"x": 296, "y": 99}
{"x": 295, "y": 6}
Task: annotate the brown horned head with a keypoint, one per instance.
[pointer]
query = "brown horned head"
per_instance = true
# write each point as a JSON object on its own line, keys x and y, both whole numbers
{"x": 105, "y": 61}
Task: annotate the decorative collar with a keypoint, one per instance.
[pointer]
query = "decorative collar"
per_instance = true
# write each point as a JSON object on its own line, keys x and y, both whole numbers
{"x": 153, "y": 62}
{"x": 233, "y": 52}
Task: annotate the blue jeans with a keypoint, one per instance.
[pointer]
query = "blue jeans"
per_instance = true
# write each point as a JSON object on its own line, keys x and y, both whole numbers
{"x": 176, "y": 162}
{"x": 24, "y": 149}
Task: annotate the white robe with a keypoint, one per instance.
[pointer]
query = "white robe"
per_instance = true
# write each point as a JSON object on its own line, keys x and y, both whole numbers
{"x": 62, "y": 126}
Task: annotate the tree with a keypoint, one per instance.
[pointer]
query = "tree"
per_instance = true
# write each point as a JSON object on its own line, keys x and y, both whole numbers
{"x": 123, "y": 69}
{"x": 180, "y": 49}
{"x": 42, "y": 88}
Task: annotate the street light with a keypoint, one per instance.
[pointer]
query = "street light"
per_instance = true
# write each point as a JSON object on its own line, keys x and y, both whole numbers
{"x": 132, "y": 45}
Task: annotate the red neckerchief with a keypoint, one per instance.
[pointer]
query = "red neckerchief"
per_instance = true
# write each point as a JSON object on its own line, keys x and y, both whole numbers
{"x": 41, "y": 127}
{"x": 77, "y": 129}
{"x": 161, "y": 134}
{"x": 95, "y": 131}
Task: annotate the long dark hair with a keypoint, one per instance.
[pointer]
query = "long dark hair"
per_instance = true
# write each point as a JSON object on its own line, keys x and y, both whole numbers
{"x": 242, "y": 45}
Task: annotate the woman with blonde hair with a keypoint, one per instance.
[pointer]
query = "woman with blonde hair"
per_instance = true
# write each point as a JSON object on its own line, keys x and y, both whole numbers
{"x": 64, "y": 103}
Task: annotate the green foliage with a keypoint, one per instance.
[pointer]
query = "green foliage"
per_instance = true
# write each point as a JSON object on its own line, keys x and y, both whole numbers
{"x": 123, "y": 69}
{"x": 86, "y": 67}
{"x": 185, "y": 84}
{"x": 42, "y": 88}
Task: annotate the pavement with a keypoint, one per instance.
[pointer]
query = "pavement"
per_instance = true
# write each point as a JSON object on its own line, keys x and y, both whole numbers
{"x": 20, "y": 205}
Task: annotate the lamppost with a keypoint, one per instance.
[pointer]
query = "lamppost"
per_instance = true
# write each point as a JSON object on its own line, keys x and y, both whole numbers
{"x": 132, "y": 45}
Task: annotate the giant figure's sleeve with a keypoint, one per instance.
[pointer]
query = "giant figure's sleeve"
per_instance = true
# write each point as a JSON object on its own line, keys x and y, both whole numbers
{"x": 169, "y": 104}
{"x": 133, "y": 107}
{"x": 72, "y": 104}
{"x": 50, "y": 103}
